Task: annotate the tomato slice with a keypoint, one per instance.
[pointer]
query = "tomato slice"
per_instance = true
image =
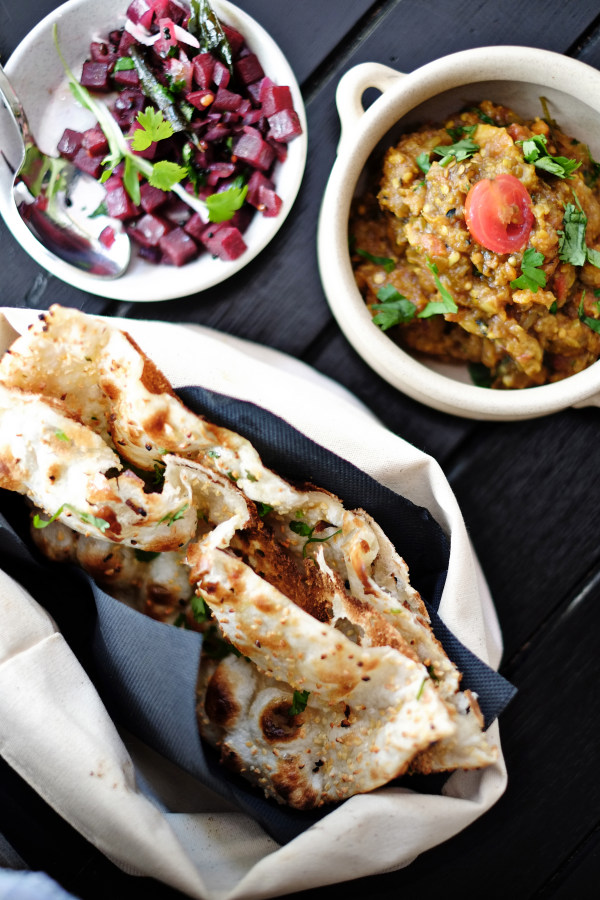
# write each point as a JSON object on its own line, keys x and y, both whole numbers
{"x": 498, "y": 213}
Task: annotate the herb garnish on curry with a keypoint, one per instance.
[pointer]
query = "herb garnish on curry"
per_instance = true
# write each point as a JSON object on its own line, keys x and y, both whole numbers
{"x": 480, "y": 243}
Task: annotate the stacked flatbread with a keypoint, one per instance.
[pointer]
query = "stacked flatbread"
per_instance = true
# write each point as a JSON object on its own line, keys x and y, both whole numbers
{"x": 321, "y": 677}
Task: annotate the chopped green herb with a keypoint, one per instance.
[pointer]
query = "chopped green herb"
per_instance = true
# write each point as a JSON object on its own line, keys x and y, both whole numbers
{"x": 480, "y": 375}
{"x": 174, "y": 516}
{"x": 553, "y": 309}
{"x": 264, "y": 509}
{"x": 423, "y": 162}
{"x": 88, "y": 518}
{"x": 214, "y": 454}
{"x": 571, "y": 243}
{"x": 181, "y": 621}
{"x": 200, "y": 610}
{"x": 299, "y": 701}
{"x": 101, "y": 210}
{"x": 154, "y": 127}
{"x": 231, "y": 476}
{"x": 251, "y": 477}
{"x": 145, "y": 555}
{"x": 483, "y": 116}
{"x": 432, "y": 673}
{"x": 460, "y": 150}
{"x": 459, "y": 132}
{"x": 594, "y": 324}
{"x": 422, "y": 688}
{"x": 532, "y": 277}
{"x": 165, "y": 175}
{"x": 393, "y": 309}
{"x": 385, "y": 261}
{"x": 124, "y": 64}
{"x": 223, "y": 205}
{"x": 304, "y": 530}
{"x": 62, "y": 436}
{"x": 436, "y": 307}
{"x": 535, "y": 151}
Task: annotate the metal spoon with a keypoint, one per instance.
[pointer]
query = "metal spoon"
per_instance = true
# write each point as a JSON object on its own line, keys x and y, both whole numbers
{"x": 57, "y": 202}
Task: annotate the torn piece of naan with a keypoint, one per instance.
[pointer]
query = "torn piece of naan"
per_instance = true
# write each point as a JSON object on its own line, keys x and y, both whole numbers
{"x": 332, "y": 680}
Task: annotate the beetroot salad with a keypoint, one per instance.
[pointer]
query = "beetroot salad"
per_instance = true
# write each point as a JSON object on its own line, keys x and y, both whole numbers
{"x": 193, "y": 111}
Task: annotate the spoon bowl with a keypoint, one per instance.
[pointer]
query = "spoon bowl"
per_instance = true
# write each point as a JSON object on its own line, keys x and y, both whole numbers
{"x": 57, "y": 202}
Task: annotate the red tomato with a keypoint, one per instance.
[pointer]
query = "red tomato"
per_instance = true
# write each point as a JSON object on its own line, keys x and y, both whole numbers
{"x": 498, "y": 213}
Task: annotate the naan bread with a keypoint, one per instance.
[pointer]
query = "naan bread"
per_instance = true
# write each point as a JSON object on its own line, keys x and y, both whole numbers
{"x": 332, "y": 680}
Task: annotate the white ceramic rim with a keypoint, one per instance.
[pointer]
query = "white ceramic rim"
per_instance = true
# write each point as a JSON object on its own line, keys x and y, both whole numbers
{"x": 361, "y": 131}
{"x": 147, "y": 282}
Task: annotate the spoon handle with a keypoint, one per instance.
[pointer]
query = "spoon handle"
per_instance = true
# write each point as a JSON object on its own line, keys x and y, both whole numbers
{"x": 15, "y": 108}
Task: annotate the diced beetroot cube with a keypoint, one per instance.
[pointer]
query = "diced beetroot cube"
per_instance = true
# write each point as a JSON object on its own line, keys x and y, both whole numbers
{"x": 120, "y": 205}
{"x": 127, "y": 41}
{"x": 242, "y": 217}
{"x": 90, "y": 164}
{"x": 176, "y": 11}
{"x": 126, "y": 77}
{"x": 274, "y": 97}
{"x": 221, "y": 74}
{"x": 284, "y": 125}
{"x": 179, "y": 247}
{"x": 270, "y": 202}
{"x": 254, "y": 117}
{"x": 175, "y": 210}
{"x": 158, "y": 10}
{"x": 94, "y": 141}
{"x": 255, "y": 182}
{"x": 281, "y": 149}
{"x": 151, "y": 197}
{"x": 201, "y": 99}
{"x": 101, "y": 52}
{"x": 95, "y": 76}
{"x": 248, "y": 68}
{"x": 69, "y": 143}
{"x": 217, "y": 171}
{"x": 150, "y": 254}
{"x": 217, "y": 132}
{"x": 127, "y": 105}
{"x": 226, "y": 100}
{"x": 137, "y": 9}
{"x": 236, "y": 40}
{"x": 250, "y": 147}
{"x": 253, "y": 91}
{"x": 114, "y": 182}
{"x": 224, "y": 241}
{"x": 107, "y": 236}
{"x": 148, "y": 230}
{"x": 204, "y": 64}
{"x": 114, "y": 38}
{"x": 195, "y": 226}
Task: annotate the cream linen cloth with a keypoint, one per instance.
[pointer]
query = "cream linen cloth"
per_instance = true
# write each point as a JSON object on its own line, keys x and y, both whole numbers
{"x": 141, "y": 811}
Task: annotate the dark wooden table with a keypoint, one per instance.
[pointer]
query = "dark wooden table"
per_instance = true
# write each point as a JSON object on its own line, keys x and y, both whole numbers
{"x": 529, "y": 491}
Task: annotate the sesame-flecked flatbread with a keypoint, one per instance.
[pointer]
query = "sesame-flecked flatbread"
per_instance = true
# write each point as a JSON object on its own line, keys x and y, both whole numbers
{"x": 321, "y": 676}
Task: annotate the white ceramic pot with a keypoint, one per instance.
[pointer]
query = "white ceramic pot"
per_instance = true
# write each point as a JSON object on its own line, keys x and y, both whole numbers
{"x": 514, "y": 76}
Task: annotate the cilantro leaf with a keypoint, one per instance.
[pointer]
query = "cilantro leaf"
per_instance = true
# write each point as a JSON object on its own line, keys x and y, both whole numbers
{"x": 88, "y": 518}
{"x": 154, "y": 128}
{"x": 482, "y": 116}
{"x": 174, "y": 516}
{"x": 299, "y": 701}
{"x": 532, "y": 277}
{"x": 123, "y": 64}
{"x": 437, "y": 307}
{"x": 394, "y": 308}
{"x": 460, "y": 131}
{"x": 62, "y": 436}
{"x": 593, "y": 256}
{"x": 423, "y": 162}
{"x": 200, "y": 610}
{"x": 535, "y": 152}
{"x": 571, "y": 243}
{"x": 304, "y": 530}
{"x": 166, "y": 174}
{"x": 594, "y": 324}
{"x": 223, "y": 205}
{"x": 387, "y": 262}
{"x": 460, "y": 150}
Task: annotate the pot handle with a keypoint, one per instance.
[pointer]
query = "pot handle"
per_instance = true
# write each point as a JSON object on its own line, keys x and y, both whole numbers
{"x": 351, "y": 87}
{"x": 594, "y": 400}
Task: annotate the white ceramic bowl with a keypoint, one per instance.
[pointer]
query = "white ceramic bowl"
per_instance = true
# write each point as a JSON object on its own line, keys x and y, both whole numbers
{"x": 514, "y": 76}
{"x": 38, "y": 78}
